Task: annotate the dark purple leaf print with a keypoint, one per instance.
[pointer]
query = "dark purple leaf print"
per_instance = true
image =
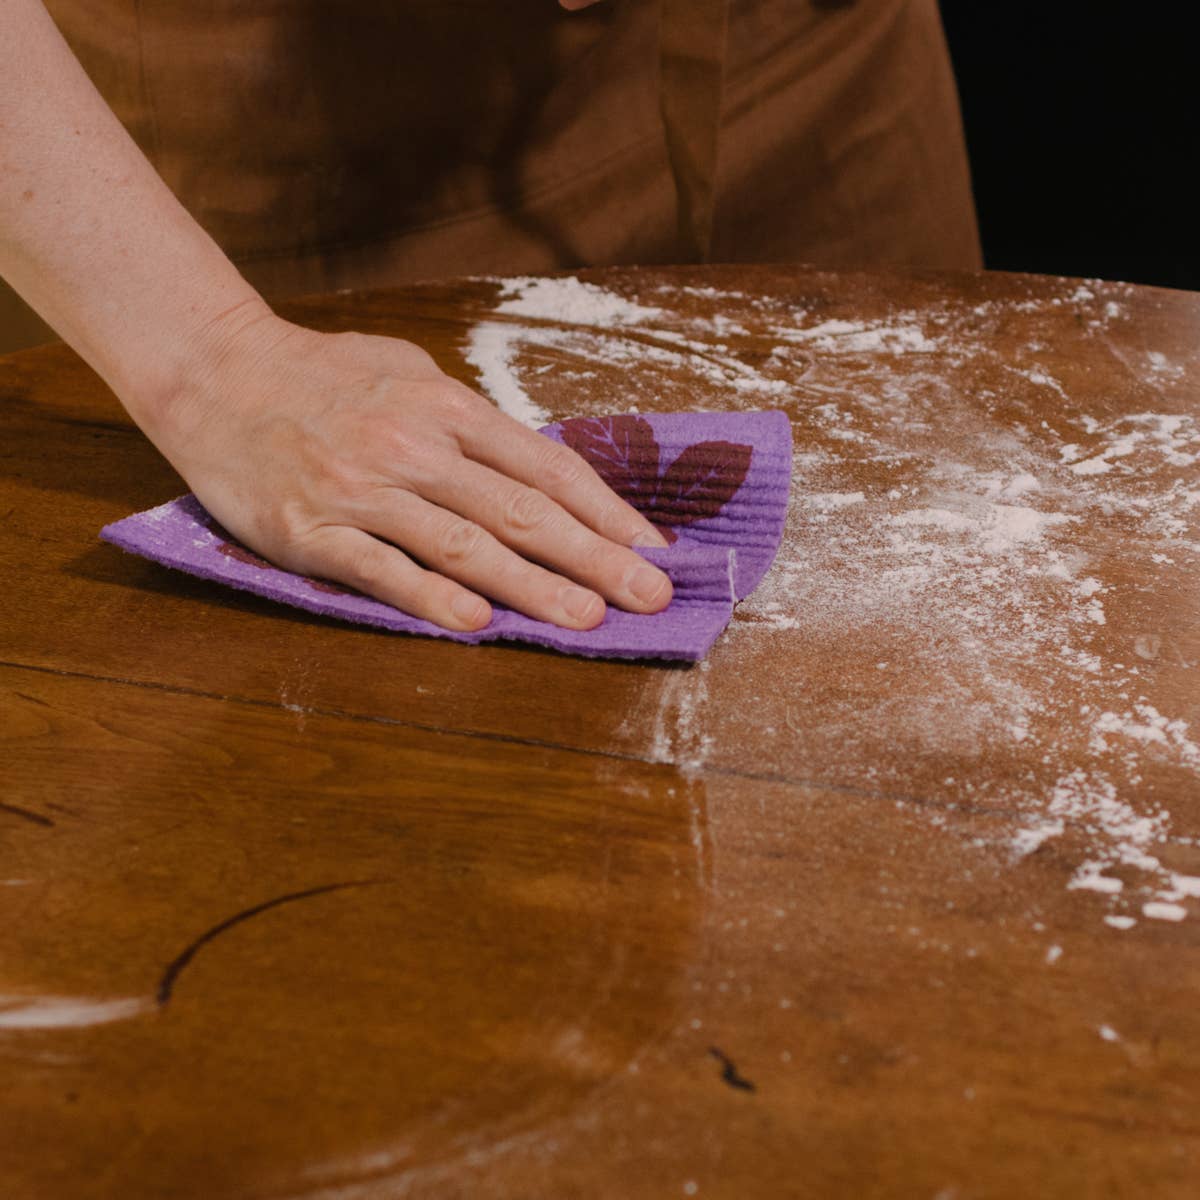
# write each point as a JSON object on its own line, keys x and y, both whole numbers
{"x": 622, "y": 450}
{"x": 332, "y": 589}
{"x": 625, "y": 454}
{"x": 231, "y": 548}
{"x": 700, "y": 482}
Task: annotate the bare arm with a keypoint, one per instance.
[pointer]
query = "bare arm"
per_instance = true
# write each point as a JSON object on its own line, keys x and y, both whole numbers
{"x": 89, "y": 234}
{"x": 346, "y": 456}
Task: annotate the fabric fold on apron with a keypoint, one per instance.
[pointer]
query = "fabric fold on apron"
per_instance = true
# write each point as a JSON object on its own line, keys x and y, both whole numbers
{"x": 692, "y": 53}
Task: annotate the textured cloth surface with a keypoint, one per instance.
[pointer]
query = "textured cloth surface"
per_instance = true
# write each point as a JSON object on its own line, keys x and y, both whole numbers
{"x": 716, "y": 483}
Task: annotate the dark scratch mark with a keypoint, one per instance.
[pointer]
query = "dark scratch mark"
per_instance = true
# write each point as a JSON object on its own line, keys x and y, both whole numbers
{"x": 170, "y": 976}
{"x": 26, "y": 815}
{"x": 729, "y": 1073}
{"x": 31, "y": 699}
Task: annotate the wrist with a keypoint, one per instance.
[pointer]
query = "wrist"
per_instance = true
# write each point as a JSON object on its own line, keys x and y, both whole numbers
{"x": 169, "y": 394}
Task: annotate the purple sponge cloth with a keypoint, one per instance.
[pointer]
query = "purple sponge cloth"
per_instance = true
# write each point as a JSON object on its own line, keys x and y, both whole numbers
{"x": 715, "y": 483}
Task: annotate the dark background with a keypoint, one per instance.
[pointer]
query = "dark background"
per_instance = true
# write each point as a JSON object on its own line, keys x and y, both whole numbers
{"x": 1083, "y": 133}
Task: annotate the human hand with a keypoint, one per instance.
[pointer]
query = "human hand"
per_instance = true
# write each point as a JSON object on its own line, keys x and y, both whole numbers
{"x": 354, "y": 458}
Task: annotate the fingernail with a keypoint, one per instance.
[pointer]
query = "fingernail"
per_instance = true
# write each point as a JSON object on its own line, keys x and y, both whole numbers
{"x": 469, "y": 611}
{"x": 581, "y": 605}
{"x": 650, "y": 537}
{"x": 647, "y": 584}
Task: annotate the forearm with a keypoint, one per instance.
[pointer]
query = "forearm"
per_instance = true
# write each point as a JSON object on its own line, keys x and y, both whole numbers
{"x": 348, "y": 457}
{"x": 91, "y": 237}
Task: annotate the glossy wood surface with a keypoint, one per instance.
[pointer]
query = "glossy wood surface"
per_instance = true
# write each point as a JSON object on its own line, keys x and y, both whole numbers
{"x": 894, "y": 896}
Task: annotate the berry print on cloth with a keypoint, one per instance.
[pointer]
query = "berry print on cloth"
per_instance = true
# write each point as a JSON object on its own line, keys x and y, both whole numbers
{"x": 716, "y": 484}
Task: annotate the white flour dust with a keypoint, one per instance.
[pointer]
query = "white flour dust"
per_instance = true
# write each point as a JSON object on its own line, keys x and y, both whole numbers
{"x": 491, "y": 350}
{"x": 67, "y": 1012}
{"x": 578, "y": 331}
{"x": 945, "y": 535}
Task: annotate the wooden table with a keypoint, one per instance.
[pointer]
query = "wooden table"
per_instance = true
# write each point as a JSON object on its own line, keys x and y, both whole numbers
{"x": 895, "y": 895}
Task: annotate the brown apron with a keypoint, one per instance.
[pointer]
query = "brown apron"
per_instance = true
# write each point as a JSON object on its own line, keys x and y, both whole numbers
{"x": 331, "y": 145}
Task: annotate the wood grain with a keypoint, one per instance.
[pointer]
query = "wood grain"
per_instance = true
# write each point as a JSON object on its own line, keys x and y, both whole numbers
{"x": 392, "y": 917}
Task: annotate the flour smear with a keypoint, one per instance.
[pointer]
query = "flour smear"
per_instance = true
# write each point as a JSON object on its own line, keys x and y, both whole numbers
{"x": 936, "y": 539}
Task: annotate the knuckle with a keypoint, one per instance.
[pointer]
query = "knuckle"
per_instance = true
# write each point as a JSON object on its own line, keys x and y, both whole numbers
{"x": 289, "y": 526}
{"x": 402, "y": 447}
{"x": 459, "y": 403}
{"x": 358, "y": 567}
{"x": 601, "y": 559}
{"x": 351, "y": 339}
{"x": 460, "y": 542}
{"x": 526, "y": 511}
{"x": 318, "y": 552}
{"x": 363, "y": 568}
{"x": 393, "y": 357}
{"x": 414, "y": 359}
{"x": 558, "y": 467}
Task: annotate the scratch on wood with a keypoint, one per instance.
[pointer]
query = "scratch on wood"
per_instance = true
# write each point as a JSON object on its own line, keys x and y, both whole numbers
{"x": 729, "y": 1072}
{"x": 170, "y": 976}
{"x": 26, "y": 815}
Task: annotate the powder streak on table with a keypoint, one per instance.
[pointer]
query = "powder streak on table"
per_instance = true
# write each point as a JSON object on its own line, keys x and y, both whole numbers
{"x": 908, "y": 849}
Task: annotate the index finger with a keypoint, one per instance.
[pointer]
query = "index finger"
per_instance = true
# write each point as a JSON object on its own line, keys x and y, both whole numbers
{"x": 505, "y": 445}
